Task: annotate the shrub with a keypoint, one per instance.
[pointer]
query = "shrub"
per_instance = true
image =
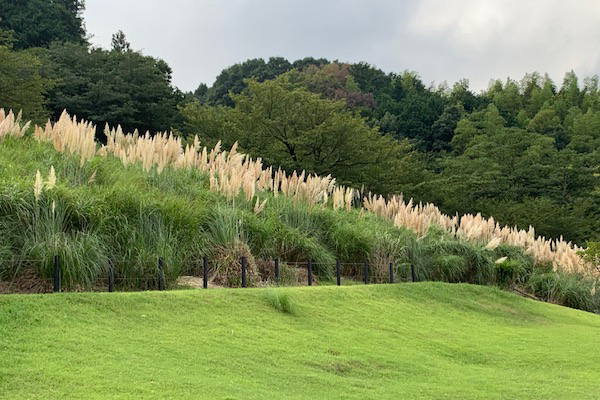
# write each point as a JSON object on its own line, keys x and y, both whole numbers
{"x": 566, "y": 289}
{"x": 448, "y": 268}
{"x": 510, "y": 272}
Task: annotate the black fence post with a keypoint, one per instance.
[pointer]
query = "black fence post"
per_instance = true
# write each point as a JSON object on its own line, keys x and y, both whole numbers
{"x": 111, "y": 277}
{"x": 161, "y": 275}
{"x": 366, "y": 273}
{"x": 309, "y": 272}
{"x": 277, "y": 273}
{"x": 57, "y": 275}
{"x": 205, "y": 272}
{"x": 244, "y": 267}
{"x": 338, "y": 273}
{"x": 391, "y": 273}
{"x": 412, "y": 273}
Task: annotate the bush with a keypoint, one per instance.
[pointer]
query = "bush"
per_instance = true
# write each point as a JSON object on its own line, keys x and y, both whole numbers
{"x": 448, "y": 268}
{"x": 439, "y": 256}
{"x": 510, "y": 272}
{"x": 569, "y": 290}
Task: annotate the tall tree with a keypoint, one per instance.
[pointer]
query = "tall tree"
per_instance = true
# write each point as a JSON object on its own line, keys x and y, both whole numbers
{"x": 295, "y": 129}
{"x": 232, "y": 79}
{"x": 113, "y": 87}
{"x": 120, "y": 43}
{"x": 22, "y": 86}
{"x": 37, "y": 23}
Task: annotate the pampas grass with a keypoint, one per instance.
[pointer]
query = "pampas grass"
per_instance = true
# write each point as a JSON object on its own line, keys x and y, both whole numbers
{"x": 11, "y": 126}
{"x": 420, "y": 218}
{"x": 237, "y": 176}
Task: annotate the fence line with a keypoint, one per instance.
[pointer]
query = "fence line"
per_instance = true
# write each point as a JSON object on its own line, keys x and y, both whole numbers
{"x": 110, "y": 279}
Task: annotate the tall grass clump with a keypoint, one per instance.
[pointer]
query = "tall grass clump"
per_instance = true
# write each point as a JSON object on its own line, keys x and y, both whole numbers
{"x": 48, "y": 232}
{"x": 141, "y": 241}
{"x": 226, "y": 242}
{"x": 141, "y": 197}
{"x": 281, "y": 301}
{"x": 565, "y": 289}
{"x": 11, "y": 125}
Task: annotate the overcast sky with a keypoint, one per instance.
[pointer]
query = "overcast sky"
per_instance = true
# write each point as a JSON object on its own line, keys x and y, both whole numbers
{"x": 442, "y": 40}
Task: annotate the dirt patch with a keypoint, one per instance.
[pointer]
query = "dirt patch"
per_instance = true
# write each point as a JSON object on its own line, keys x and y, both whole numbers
{"x": 195, "y": 282}
{"x": 26, "y": 282}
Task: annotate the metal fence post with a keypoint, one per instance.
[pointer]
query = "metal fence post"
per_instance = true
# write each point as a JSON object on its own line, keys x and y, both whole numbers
{"x": 391, "y": 273}
{"x": 412, "y": 273}
{"x": 57, "y": 275}
{"x": 111, "y": 277}
{"x": 205, "y": 272}
{"x": 161, "y": 275}
{"x": 366, "y": 273}
{"x": 309, "y": 272}
{"x": 277, "y": 273}
{"x": 244, "y": 267}
{"x": 338, "y": 273}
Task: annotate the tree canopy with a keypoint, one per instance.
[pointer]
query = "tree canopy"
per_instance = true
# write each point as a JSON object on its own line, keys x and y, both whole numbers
{"x": 292, "y": 128}
{"x": 22, "y": 86}
{"x": 119, "y": 86}
{"x": 37, "y": 23}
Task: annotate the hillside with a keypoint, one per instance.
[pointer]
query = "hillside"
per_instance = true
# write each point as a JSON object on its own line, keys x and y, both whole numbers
{"x": 141, "y": 198}
{"x": 425, "y": 340}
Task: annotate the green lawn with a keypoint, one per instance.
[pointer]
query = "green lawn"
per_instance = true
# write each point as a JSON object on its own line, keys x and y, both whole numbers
{"x": 405, "y": 341}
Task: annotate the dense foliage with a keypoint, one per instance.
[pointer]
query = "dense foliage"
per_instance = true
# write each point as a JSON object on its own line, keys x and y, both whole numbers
{"x": 526, "y": 152}
{"x": 37, "y": 23}
{"x": 119, "y": 86}
{"x": 290, "y": 127}
{"x": 22, "y": 85}
{"x": 99, "y": 213}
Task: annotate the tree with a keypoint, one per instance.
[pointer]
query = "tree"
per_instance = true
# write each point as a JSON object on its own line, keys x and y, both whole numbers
{"x": 37, "y": 23}
{"x": 295, "y": 129}
{"x": 508, "y": 99}
{"x": 548, "y": 123}
{"x": 22, "y": 87}
{"x": 232, "y": 79}
{"x": 462, "y": 95}
{"x": 201, "y": 93}
{"x": 113, "y": 87}
{"x": 443, "y": 128}
{"x": 332, "y": 81}
{"x": 120, "y": 43}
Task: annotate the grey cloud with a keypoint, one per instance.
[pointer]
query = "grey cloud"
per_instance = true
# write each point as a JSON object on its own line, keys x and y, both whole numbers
{"x": 441, "y": 40}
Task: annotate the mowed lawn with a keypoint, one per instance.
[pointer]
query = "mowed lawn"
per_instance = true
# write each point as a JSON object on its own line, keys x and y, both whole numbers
{"x": 404, "y": 341}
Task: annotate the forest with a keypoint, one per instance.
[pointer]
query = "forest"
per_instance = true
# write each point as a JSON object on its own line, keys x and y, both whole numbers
{"x": 526, "y": 150}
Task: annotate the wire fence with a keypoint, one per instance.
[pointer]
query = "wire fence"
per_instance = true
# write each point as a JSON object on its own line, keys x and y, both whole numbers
{"x": 24, "y": 276}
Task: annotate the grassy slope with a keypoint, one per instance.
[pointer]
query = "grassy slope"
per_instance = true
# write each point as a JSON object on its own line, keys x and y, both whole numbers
{"x": 427, "y": 340}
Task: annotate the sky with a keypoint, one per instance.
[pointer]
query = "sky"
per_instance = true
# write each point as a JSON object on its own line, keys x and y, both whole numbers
{"x": 442, "y": 40}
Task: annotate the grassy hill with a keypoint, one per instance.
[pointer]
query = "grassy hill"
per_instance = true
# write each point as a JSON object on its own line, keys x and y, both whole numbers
{"x": 94, "y": 208}
{"x": 410, "y": 341}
